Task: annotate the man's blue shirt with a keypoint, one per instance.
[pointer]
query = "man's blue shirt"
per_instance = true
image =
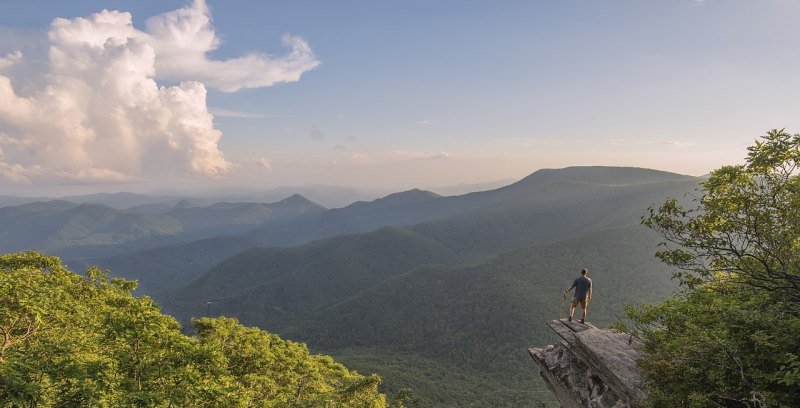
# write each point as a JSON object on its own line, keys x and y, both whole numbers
{"x": 581, "y": 285}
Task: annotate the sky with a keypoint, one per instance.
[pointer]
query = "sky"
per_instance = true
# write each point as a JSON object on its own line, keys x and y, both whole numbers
{"x": 203, "y": 95}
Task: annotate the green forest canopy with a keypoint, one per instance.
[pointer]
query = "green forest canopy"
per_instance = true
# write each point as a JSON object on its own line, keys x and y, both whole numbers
{"x": 71, "y": 340}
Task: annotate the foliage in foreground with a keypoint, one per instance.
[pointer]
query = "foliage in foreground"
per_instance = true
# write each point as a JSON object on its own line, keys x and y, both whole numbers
{"x": 69, "y": 340}
{"x": 730, "y": 338}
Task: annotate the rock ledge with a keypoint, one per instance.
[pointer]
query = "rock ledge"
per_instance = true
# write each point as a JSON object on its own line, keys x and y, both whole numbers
{"x": 591, "y": 367}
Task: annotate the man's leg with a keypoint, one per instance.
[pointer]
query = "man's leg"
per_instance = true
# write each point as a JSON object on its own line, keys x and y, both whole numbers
{"x": 572, "y": 306}
{"x": 584, "y": 303}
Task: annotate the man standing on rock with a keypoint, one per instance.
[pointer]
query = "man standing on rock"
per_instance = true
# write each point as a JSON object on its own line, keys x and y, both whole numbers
{"x": 583, "y": 294}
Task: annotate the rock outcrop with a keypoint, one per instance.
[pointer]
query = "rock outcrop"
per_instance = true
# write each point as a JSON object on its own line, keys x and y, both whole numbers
{"x": 591, "y": 367}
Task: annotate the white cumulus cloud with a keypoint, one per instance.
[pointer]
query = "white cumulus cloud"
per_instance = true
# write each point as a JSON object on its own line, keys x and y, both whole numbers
{"x": 99, "y": 113}
{"x": 183, "y": 37}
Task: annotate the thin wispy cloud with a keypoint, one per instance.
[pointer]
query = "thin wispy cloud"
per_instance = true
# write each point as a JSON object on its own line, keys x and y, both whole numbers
{"x": 359, "y": 157}
{"x": 633, "y": 142}
{"x": 264, "y": 164}
{"x": 676, "y": 143}
{"x": 424, "y": 122}
{"x": 614, "y": 141}
{"x": 109, "y": 119}
{"x": 411, "y": 155}
{"x": 227, "y": 113}
{"x": 535, "y": 141}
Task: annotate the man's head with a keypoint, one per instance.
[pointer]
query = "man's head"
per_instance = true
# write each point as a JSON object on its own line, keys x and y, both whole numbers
{"x": 584, "y": 271}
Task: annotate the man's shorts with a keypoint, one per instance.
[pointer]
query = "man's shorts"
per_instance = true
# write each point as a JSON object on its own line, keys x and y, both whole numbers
{"x": 576, "y": 301}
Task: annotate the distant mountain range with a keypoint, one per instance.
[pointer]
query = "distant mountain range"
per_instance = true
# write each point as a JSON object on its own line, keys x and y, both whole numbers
{"x": 328, "y": 196}
{"x": 439, "y": 293}
{"x": 76, "y": 231}
{"x": 462, "y": 283}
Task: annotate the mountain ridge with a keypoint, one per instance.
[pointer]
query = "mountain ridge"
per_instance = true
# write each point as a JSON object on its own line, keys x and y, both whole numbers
{"x": 476, "y": 300}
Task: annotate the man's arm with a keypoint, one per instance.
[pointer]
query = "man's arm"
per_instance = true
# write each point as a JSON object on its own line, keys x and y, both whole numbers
{"x": 589, "y": 297}
{"x": 569, "y": 289}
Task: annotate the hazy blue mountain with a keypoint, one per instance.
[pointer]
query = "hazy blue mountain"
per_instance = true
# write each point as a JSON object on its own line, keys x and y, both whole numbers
{"x": 328, "y": 196}
{"x": 416, "y": 206}
{"x": 548, "y": 212}
{"x": 7, "y": 201}
{"x": 78, "y": 231}
{"x": 186, "y": 203}
{"x": 171, "y": 266}
{"x": 469, "y": 290}
{"x": 293, "y": 206}
{"x": 121, "y": 200}
{"x": 223, "y": 216}
{"x": 28, "y": 225}
{"x": 466, "y": 188}
{"x": 152, "y": 208}
{"x": 227, "y": 218}
{"x": 319, "y": 274}
{"x": 605, "y": 175}
{"x": 402, "y": 208}
{"x": 301, "y": 221}
{"x": 55, "y": 225}
{"x": 407, "y": 208}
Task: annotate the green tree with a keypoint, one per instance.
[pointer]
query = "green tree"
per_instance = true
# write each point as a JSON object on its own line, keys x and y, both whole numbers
{"x": 71, "y": 340}
{"x": 745, "y": 224}
{"x": 730, "y": 336}
{"x": 282, "y": 372}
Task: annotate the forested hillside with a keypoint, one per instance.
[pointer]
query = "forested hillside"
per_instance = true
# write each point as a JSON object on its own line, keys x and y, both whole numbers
{"x": 189, "y": 261}
{"x": 465, "y": 294}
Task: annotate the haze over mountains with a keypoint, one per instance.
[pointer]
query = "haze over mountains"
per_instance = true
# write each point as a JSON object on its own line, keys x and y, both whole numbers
{"x": 326, "y": 195}
{"x": 76, "y": 231}
{"x": 464, "y": 290}
{"x": 439, "y": 293}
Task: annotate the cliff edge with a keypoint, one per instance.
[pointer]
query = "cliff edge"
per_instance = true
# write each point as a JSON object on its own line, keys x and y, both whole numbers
{"x": 591, "y": 367}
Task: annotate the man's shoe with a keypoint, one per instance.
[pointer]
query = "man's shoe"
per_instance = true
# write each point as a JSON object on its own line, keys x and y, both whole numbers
{"x": 569, "y": 319}
{"x": 580, "y": 321}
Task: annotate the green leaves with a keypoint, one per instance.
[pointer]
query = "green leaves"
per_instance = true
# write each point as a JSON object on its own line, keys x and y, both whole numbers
{"x": 731, "y": 335}
{"x": 69, "y": 340}
{"x": 789, "y": 373}
{"x": 264, "y": 367}
{"x": 746, "y": 223}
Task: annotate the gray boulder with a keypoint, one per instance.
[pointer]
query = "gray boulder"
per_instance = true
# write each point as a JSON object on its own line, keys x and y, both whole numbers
{"x": 592, "y": 367}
